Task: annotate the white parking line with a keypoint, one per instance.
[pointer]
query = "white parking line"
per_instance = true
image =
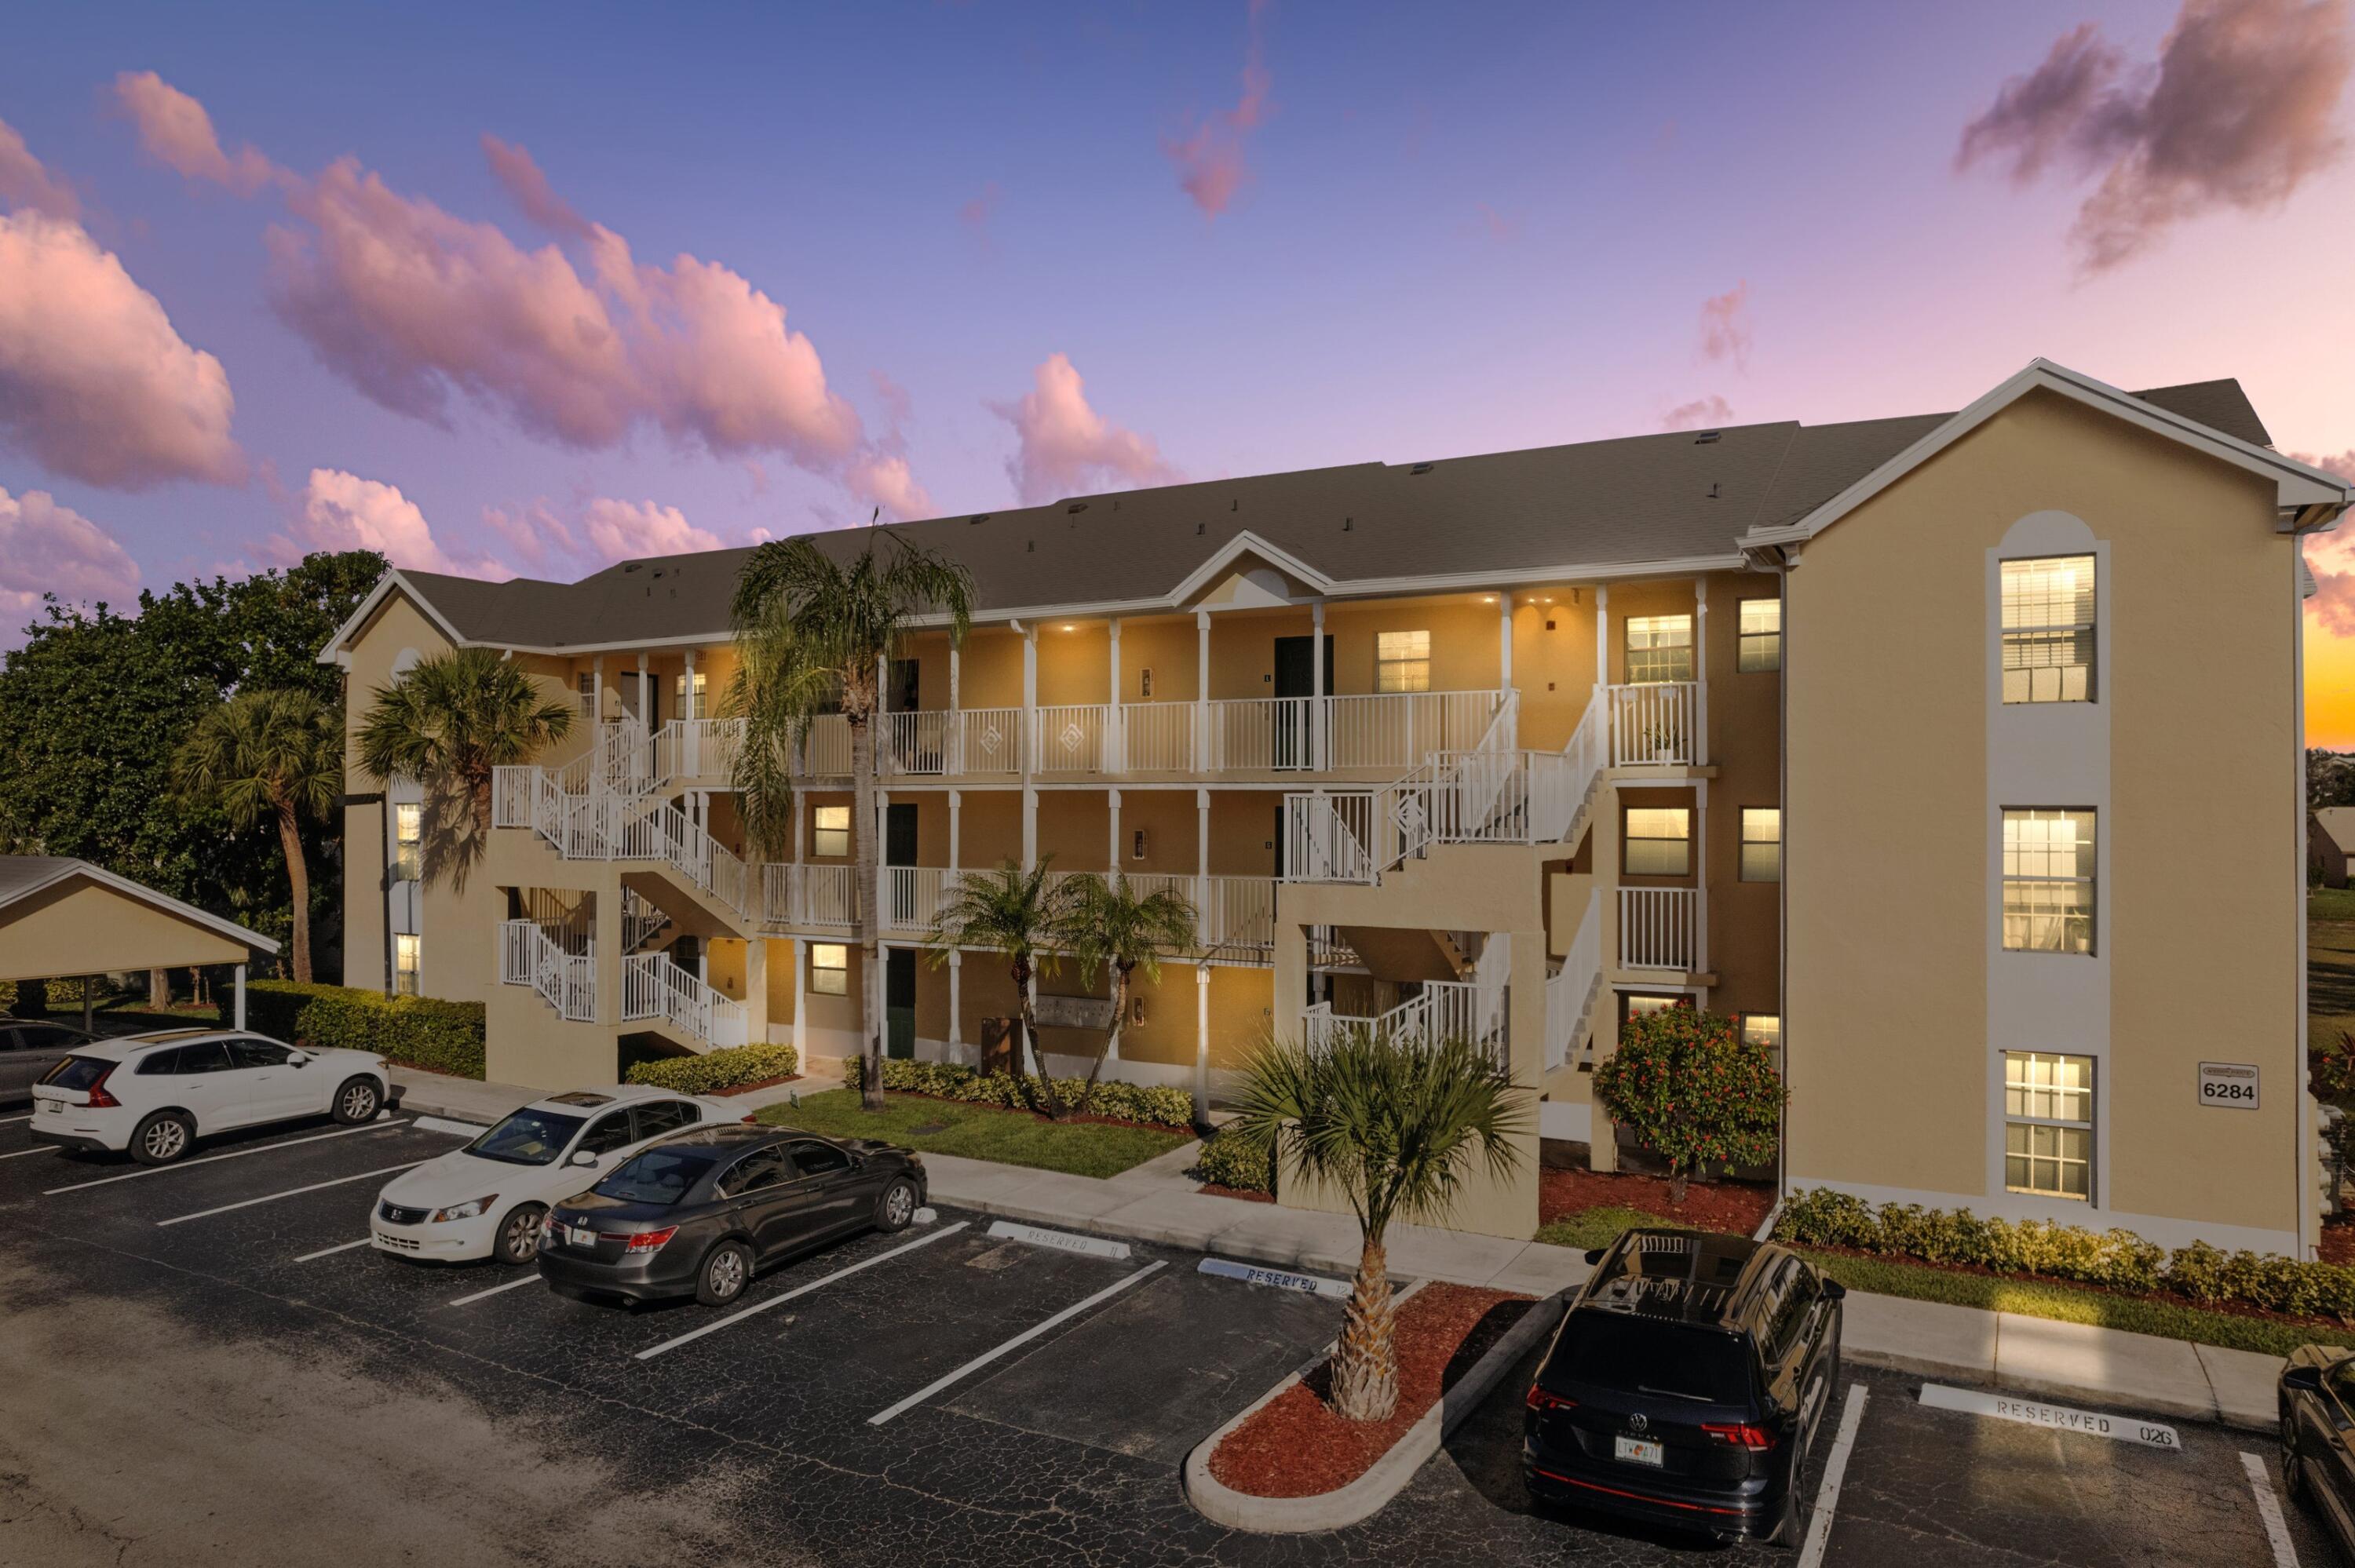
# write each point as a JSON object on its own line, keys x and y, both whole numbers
{"x": 19, "y": 1154}
{"x": 1017, "y": 1342}
{"x": 531, "y": 1278}
{"x": 232, "y": 1154}
{"x": 332, "y": 1251}
{"x": 799, "y": 1290}
{"x": 290, "y": 1192}
{"x": 1819, "y": 1528}
{"x": 2269, "y": 1510}
{"x": 443, "y": 1123}
{"x": 5, "y": 1119}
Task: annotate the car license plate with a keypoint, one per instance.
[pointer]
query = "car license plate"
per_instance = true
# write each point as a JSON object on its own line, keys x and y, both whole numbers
{"x": 55, "y": 1108}
{"x": 1637, "y": 1450}
{"x": 581, "y": 1235}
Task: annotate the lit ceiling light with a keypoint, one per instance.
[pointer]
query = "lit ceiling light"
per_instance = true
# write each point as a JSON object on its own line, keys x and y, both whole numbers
{"x": 1487, "y": 599}
{"x": 1069, "y": 628}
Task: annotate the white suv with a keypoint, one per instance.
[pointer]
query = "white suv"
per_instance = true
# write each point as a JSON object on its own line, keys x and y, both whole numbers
{"x": 487, "y": 1199}
{"x": 156, "y": 1093}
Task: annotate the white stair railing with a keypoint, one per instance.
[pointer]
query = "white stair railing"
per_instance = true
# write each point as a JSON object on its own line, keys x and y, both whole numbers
{"x": 1325, "y": 836}
{"x": 1570, "y": 990}
{"x": 567, "y": 981}
{"x": 654, "y": 987}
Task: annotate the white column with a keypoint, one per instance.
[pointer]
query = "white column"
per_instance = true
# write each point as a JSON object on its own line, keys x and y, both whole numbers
{"x": 955, "y": 741}
{"x": 801, "y": 1000}
{"x": 596, "y": 698}
{"x": 1203, "y": 857}
{"x": 239, "y": 1009}
{"x": 1115, "y": 742}
{"x": 645, "y": 705}
{"x": 1603, "y": 636}
{"x": 1202, "y": 1043}
{"x": 957, "y": 805}
{"x": 686, "y": 709}
{"x": 882, "y": 866}
{"x": 1203, "y": 760}
{"x": 956, "y": 1005}
{"x": 1700, "y": 673}
{"x": 1503, "y": 640}
{"x": 1316, "y": 686}
{"x": 1030, "y": 696}
{"x": 1029, "y": 827}
{"x": 1112, "y": 801}
{"x": 1700, "y": 876}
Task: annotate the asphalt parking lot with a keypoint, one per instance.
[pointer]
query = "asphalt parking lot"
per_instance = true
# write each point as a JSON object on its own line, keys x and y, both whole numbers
{"x": 200, "y": 1367}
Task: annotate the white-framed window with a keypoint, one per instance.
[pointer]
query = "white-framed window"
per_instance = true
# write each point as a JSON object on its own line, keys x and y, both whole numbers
{"x": 1764, "y": 1029}
{"x": 829, "y": 970}
{"x": 405, "y": 958}
{"x": 1635, "y": 1006}
{"x": 2048, "y": 880}
{"x": 1658, "y": 842}
{"x": 830, "y": 832}
{"x": 2048, "y": 630}
{"x": 1762, "y": 843}
{"x": 695, "y": 704}
{"x": 2048, "y": 1124}
{"x": 1760, "y": 645}
{"x": 1402, "y": 660}
{"x": 1659, "y": 648}
{"x": 408, "y": 840}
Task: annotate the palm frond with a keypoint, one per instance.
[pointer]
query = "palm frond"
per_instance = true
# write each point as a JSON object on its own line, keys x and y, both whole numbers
{"x": 1105, "y": 922}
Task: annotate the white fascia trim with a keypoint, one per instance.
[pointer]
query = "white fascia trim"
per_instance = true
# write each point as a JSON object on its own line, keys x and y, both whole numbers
{"x": 337, "y": 651}
{"x": 147, "y": 896}
{"x": 2300, "y": 485}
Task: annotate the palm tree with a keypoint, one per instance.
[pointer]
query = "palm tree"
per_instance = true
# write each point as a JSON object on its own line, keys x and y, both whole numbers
{"x": 1019, "y": 916}
{"x": 1105, "y": 924}
{"x": 1396, "y": 1128}
{"x": 276, "y": 755}
{"x": 450, "y": 724}
{"x": 814, "y": 634}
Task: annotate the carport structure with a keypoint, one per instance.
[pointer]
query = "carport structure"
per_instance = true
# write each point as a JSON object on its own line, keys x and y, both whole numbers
{"x": 62, "y": 918}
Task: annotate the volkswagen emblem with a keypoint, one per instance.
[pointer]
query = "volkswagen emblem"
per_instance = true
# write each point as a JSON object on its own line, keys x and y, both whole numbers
{"x": 1639, "y": 1423}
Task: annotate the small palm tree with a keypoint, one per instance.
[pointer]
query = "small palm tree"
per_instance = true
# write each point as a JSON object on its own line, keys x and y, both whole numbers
{"x": 275, "y": 755}
{"x": 813, "y": 635}
{"x": 1018, "y": 915}
{"x": 1396, "y": 1128}
{"x": 1107, "y": 924}
{"x": 450, "y": 724}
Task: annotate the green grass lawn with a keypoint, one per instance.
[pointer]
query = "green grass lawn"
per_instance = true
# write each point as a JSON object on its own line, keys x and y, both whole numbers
{"x": 2330, "y": 903}
{"x": 2329, "y": 963}
{"x": 1599, "y": 1227}
{"x": 980, "y": 1132}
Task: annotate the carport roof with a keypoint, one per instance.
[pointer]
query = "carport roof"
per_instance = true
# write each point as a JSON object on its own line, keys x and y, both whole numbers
{"x": 22, "y": 876}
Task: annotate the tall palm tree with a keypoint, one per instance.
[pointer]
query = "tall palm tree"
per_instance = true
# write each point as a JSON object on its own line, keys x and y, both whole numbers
{"x": 277, "y": 755}
{"x": 1106, "y": 924}
{"x": 1396, "y": 1128}
{"x": 450, "y": 724}
{"x": 814, "y": 633}
{"x": 1019, "y": 916}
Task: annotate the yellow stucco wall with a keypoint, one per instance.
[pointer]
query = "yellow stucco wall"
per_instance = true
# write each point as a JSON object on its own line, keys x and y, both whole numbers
{"x": 80, "y": 927}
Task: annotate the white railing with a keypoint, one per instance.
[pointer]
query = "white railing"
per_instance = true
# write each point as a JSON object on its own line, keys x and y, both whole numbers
{"x": 640, "y": 918}
{"x": 826, "y": 748}
{"x": 654, "y": 987}
{"x": 1472, "y": 1010}
{"x": 913, "y": 743}
{"x": 1329, "y": 950}
{"x": 566, "y": 981}
{"x": 1157, "y": 738}
{"x": 816, "y": 895}
{"x": 1570, "y": 990}
{"x": 696, "y": 748}
{"x": 511, "y": 790}
{"x": 1260, "y": 735}
{"x": 1652, "y": 723}
{"x": 517, "y": 949}
{"x": 1237, "y": 913}
{"x": 1657, "y": 929}
{"x": 1385, "y": 732}
{"x": 989, "y": 740}
{"x": 912, "y": 896}
{"x": 1325, "y": 836}
{"x": 1070, "y": 739}
{"x": 663, "y": 833}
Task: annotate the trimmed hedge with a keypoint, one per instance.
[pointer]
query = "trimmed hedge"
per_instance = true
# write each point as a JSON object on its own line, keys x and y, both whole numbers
{"x": 1228, "y": 1162}
{"x": 414, "y": 1030}
{"x": 2118, "y": 1259}
{"x": 1153, "y": 1105}
{"x": 716, "y": 1070}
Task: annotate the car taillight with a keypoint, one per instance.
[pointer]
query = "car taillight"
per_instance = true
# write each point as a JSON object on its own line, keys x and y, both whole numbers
{"x": 98, "y": 1099}
{"x": 750, "y": 1120}
{"x": 1743, "y": 1435}
{"x": 649, "y": 1241}
{"x": 1540, "y": 1401}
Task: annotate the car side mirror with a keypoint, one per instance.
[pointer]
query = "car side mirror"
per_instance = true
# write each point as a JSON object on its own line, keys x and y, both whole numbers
{"x": 1594, "y": 1254}
{"x": 582, "y": 1157}
{"x": 2306, "y": 1379}
{"x": 1835, "y": 1292}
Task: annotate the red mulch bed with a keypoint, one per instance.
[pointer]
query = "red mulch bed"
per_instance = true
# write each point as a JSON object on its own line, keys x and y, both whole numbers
{"x": 1737, "y": 1207}
{"x": 2339, "y": 1241}
{"x": 764, "y": 1084}
{"x": 1294, "y": 1447}
{"x": 1215, "y": 1191}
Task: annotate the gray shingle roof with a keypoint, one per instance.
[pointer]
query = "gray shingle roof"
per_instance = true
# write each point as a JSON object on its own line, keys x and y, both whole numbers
{"x": 1597, "y": 505}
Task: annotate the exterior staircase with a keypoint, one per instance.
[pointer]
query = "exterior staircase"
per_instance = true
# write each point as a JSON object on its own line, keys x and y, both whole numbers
{"x": 657, "y": 992}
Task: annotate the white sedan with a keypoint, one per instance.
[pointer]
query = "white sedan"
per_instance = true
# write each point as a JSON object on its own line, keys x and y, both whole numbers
{"x": 487, "y": 1199}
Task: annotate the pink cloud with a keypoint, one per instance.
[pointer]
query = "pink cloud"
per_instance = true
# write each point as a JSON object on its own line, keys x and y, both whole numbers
{"x": 886, "y": 481}
{"x": 535, "y": 534}
{"x": 1066, "y": 447}
{"x": 174, "y": 130}
{"x": 339, "y": 510}
{"x": 1498, "y": 225}
{"x": 24, "y": 182}
{"x": 1210, "y": 159}
{"x": 47, "y": 548}
{"x": 515, "y": 169}
{"x": 1725, "y": 326}
{"x": 2331, "y": 558}
{"x": 94, "y": 382}
{"x": 1706, "y": 413}
{"x": 603, "y": 531}
{"x": 2241, "y": 108}
{"x": 975, "y": 213}
{"x": 624, "y": 530}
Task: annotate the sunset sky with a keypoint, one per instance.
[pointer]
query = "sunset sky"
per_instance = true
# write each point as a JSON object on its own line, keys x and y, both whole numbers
{"x": 516, "y": 289}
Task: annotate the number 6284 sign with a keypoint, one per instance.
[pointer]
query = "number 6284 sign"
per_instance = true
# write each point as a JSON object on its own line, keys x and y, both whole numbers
{"x": 2232, "y": 1084}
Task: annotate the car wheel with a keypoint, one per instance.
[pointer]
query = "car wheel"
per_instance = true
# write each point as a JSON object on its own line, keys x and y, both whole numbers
{"x": 160, "y": 1138}
{"x": 895, "y": 1207}
{"x": 727, "y": 1269}
{"x": 1793, "y": 1526}
{"x": 2293, "y": 1472}
{"x": 358, "y": 1101}
{"x": 518, "y": 1240}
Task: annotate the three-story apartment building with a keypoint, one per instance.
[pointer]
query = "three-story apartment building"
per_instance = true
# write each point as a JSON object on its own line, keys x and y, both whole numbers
{"x": 1958, "y": 755}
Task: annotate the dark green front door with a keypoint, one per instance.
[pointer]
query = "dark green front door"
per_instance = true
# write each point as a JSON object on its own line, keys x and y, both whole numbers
{"x": 1295, "y": 676}
{"x": 899, "y": 1004}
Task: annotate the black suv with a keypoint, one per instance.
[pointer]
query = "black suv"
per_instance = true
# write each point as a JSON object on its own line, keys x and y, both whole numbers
{"x": 1684, "y": 1386}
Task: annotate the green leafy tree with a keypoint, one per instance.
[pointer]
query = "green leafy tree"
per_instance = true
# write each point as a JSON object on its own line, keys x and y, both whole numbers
{"x": 1395, "y": 1129}
{"x": 1692, "y": 1091}
{"x": 450, "y": 724}
{"x": 275, "y": 756}
{"x": 813, "y": 635}
{"x": 1108, "y": 925}
{"x": 2329, "y": 778}
{"x": 1018, "y": 915}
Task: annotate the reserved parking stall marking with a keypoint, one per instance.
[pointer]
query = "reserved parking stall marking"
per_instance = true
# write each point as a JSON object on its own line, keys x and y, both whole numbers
{"x": 1017, "y": 1342}
{"x": 1061, "y": 1241}
{"x": 2054, "y": 1417}
{"x": 332, "y": 1251}
{"x": 2269, "y": 1510}
{"x": 1276, "y": 1278}
{"x": 1828, "y": 1491}
{"x": 290, "y": 1192}
{"x": 531, "y": 1278}
{"x": 740, "y": 1315}
{"x": 232, "y": 1154}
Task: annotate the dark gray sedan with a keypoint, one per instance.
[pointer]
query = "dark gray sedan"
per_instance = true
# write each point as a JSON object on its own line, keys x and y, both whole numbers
{"x": 697, "y": 1213}
{"x": 30, "y": 1047}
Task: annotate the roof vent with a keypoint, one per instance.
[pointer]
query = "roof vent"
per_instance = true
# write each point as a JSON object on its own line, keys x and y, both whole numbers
{"x": 632, "y": 566}
{"x": 1076, "y": 507}
{"x": 1422, "y": 468}
{"x": 1199, "y": 528}
{"x": 978, "y": 517}
{"x": 1030, "y": 547}
{"x": 1347, "y": 524}
{"x": 1707, "y": 438}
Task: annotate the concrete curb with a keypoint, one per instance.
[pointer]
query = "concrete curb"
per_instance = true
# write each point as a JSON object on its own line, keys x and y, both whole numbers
{"x": 1388, "y": 1475}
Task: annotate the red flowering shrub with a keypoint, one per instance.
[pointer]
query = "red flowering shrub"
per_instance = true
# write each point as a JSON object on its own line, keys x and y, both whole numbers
{"x": 1692, "y": 1091}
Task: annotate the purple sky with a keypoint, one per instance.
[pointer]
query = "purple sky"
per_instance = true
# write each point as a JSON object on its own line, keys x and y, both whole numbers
{"x": 532, "y": 289}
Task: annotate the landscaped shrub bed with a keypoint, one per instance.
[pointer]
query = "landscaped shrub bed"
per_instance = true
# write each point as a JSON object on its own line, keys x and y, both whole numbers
{"x": 1147, "y": 1105}
{"x": 1227, "y": 1162}
{"x": 414, "y": 1030}
{"x": 1737, "y": 1208}
{"x": 716, "y": 1072}
{"x": 2115, "y": 1259}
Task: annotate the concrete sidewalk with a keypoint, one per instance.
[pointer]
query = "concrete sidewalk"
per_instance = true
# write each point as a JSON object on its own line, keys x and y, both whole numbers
{"x": 466, "y": 1099}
